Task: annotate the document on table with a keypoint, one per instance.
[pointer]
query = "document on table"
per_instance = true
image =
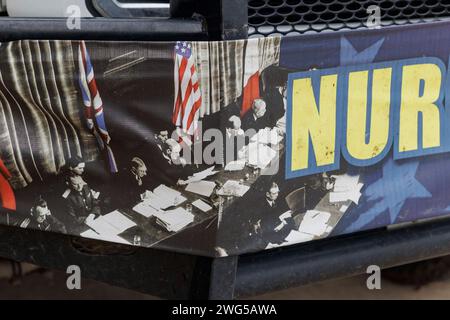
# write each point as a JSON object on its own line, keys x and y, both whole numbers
{"x": 233, "y": 188}
{"x": 293, "y": 238}
{"x": 202, "y": 175}
{"x": 203, "y": 188}
{"x": 155, "y": 201}
{"x": 260, "y": 155}
{"x": 353, "y": 194}
{"x": 102, "y": 227}
{"x": 119, "y": 221}
{"x": 346, "y": 187}
{"x": 267, "y": 136}
{"x": 145, "y": 209}
{"x": 164, "y": 191}
{"x": 237, "y": 165}
{"x": 298, "y": 237}
{"x": 315, "y": 222}
{"x": 91, "y": 234}
{"x": 174, "y": 220}
{"x": 345, "y": 182}
{"x": 201, "y": 205}
{"x": 166, "y": 197}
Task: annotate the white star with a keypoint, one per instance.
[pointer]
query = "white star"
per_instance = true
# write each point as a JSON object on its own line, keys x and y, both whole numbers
{"x": 183, "y": 50}
{"x": 184, "y": 44}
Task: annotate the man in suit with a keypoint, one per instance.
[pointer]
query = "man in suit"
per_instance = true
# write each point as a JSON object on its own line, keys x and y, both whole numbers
{"x": 257, "y": 118}
{"x": 80, "y": 200}
{"x": 235, "y": 139}
{"x": 173, "y": 168}
{"x": 76, "y": 166}
{"x": 317, "y": 187}
{"x": 42, "y": 219}
{"x": 275, "y": 222}
{"x": 161, "y": 139}
{"x": 134, "y": 184}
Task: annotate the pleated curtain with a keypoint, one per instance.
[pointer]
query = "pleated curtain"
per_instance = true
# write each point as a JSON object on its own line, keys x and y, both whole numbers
{"x": 40, "y": 119}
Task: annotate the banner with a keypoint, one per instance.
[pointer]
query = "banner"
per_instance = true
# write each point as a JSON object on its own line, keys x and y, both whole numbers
{"x": 224, "y": 148}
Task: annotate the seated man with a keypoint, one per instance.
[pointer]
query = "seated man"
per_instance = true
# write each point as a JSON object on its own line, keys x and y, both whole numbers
{"x": 173, "y": 153}
{"x": 161, "y": 139}
{"x": 80, "y": 200}
{"x": 257, "y": 118}
{"x": 42, "y": 219}
{"x": 76, "y": 167}
{"x": 235, "y": 139}
{"x": 171, "y": 167}
{"x": 276, "y": 223}
{"x": 134, "y": 184}
{"x": 317, "y": 187}
{"x": 177, "y": 170}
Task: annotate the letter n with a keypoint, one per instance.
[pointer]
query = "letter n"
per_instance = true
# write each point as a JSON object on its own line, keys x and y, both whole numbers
{"x": 313, "y": 125}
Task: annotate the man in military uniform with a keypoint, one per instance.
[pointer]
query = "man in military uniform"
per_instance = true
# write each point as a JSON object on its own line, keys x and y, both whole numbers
{"x": 42, "y": 219}
{"x": 80, "y": 200}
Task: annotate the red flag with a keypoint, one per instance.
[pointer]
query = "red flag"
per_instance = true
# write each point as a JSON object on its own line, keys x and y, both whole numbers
{"x": 8, "y": 199}
{"x": 251, "y": 76}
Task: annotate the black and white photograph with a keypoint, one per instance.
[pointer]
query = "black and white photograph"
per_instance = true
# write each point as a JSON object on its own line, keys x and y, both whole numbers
{"x": 208, "y": 149}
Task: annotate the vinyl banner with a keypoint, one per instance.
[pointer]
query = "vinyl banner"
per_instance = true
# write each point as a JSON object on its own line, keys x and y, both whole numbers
{"x": 224, "y": 148}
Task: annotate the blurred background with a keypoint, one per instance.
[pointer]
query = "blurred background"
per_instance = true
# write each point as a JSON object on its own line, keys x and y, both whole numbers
{"x": 426, "y": 280}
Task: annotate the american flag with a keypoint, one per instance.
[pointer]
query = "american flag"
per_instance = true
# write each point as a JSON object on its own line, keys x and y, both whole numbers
{"x": 93, "y": 103}
{"x": 188, "y": 98}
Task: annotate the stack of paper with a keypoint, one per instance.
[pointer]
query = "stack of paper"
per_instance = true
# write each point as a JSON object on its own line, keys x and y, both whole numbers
{"x": 157, "y": 202}
{"x": 237, "y": 165}
{"x": 165, "y": 191}
{"x": 298, "y": 237}
{"x": 174, "y": 220}
{"x": 233, "y": 188}
{"x": 91, "y": 234}
{"x": 102, "y": 227}
{"x": 108, "y": 227}
{"x": 315, "y": 223}
{"x": 161, "y": 198}
{"x": 118, "y": 221}
{"x": 260, "y": 155}
{"x": 145, "y": 209}
{"x": 267, "y": 136}
{"x": 293, "y": 238}
{"x": 202, "y": 205}
{"x": 203, "y": 188}
{"x": 346, "y": 188}
{"x": 202, "y": 175}
{"x": 164, "y": 197}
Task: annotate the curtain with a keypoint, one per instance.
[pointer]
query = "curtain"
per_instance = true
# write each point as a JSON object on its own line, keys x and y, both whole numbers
{"x": 40, "y": 123}
{"x": 221, "y": 68}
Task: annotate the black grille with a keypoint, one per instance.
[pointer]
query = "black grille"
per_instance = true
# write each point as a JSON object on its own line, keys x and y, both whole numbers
{"x": 292, "y": 17}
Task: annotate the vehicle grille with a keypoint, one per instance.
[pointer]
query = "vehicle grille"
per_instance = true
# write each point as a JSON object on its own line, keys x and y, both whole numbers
{"x": 293, "y": 17}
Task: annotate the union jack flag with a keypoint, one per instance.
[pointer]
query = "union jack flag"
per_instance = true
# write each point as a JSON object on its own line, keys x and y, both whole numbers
{"x": 188, "y": 97}
{"x": 93, "y": 103}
